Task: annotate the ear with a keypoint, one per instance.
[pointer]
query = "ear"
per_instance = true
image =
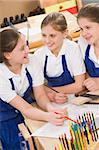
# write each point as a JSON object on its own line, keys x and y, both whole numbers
{"x": 7, "y": 55}
{"x": 65, "y": 33}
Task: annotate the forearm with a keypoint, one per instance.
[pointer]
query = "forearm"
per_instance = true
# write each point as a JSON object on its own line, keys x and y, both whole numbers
{"x": 69, "y": 89}
{"x": 36, "y": 114}
{"x": 75, "y": 87}
{"x": 28, "y": 110}
{"x": 42, "y": 99}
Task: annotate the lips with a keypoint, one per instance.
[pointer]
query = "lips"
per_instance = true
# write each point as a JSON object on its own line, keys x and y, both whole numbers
{"x": 50, "y": 45}
{"x": 25, "y": 57}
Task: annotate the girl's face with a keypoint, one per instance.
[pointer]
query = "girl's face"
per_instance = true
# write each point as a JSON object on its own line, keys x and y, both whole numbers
{"x": 52, "y": 38}
{"x": 89, "y": 30}
{"x": 19, "y": 55}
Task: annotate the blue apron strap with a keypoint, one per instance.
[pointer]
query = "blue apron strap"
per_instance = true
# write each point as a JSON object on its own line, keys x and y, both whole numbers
{"x": 45, "y": 66}
{"x": 13, "y": 88}
{"x": 64, "y": 64}
{"x": 87, "y": 51}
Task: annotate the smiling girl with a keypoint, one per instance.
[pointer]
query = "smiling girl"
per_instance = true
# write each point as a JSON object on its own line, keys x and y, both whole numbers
{"x": 60, "y": 59}
{"x": 18, "y": 79}
{"x": 88, "y": 20}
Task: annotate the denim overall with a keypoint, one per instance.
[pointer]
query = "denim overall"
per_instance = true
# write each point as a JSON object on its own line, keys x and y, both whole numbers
{"x": 64, "y": 79}
{"x": 10, "y": 118}
{"x": 90, "y": 66}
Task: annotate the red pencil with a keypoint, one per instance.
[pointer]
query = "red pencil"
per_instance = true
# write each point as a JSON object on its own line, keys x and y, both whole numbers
{"x": 65, "y": 117}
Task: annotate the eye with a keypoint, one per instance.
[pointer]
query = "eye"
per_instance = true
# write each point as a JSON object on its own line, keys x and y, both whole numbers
{"x": 81, "y": 29}
{"x": 87, "y": 27}
{"x": 52, "y": 35}
{"x": 43, "y": 35}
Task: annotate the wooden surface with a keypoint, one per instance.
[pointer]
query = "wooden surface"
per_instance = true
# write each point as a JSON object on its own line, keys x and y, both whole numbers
{"x": 41, "y": 142}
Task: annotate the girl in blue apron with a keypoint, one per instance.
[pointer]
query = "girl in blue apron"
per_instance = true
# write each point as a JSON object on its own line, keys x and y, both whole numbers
{"x": 60, "y": 58}
{"x": 88, "y": 19}
{"x": 18, "y": 79}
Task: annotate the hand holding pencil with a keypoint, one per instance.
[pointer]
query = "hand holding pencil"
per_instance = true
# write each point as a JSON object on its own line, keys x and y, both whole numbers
{"x": 56, "y": 96}
{"x": 56, "y": 116}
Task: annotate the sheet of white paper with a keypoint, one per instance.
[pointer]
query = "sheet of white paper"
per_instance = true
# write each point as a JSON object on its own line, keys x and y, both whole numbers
{"x": 49, "y": 130}
{"x": 52, "y": 131}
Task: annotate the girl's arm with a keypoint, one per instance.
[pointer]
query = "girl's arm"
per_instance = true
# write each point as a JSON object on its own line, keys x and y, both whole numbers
{"x": 37, "y": 114}
{"x": 75, "y": 87}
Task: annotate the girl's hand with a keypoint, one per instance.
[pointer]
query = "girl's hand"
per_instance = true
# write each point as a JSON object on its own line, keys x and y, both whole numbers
{"x": 91, "y": 84}
{"x": 60, "y": 98}
{"x": 57, "y": 97}
{"x": 56, "y": 119}
{"x": 56, "y": 115}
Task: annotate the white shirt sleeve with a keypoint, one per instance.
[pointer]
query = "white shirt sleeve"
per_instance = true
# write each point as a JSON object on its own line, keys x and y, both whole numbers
{"x": 6, "y": 92}
{"x": 83, "y": 45}
{"x": 40, "y": 56}
{"x": 77, "y": 66}
{"x": 35, "y": 71}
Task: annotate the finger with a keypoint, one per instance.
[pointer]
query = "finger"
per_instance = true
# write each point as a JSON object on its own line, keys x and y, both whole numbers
{"x": 59, "y": 121}
{"x": 60, "y": 102}
{"x": 61, "y": 95}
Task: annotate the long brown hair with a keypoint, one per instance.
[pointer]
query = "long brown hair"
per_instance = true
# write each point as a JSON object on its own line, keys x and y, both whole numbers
{"x": 8, "y": 41}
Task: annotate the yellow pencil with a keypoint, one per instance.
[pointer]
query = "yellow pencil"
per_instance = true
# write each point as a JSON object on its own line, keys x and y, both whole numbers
{"x": 89, "y": 137}
{"x": 69, "y": 144}
{"x": 60, "y": 146}
{"x": 81, "y": 140}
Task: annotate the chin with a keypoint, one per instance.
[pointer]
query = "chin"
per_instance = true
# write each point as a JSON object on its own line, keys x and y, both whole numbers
{"x": 26, "y": 60}
{"x": 89, "y": 42}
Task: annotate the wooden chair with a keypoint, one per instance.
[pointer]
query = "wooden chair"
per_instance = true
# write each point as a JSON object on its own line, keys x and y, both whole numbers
{"x": 24, "y": 131}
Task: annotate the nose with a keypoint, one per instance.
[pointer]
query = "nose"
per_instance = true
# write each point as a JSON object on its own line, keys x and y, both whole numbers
{"x": 26, "y": 50}
{"x": 47, "y": 40}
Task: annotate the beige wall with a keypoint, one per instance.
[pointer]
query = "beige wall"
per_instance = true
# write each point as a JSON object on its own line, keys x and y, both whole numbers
{"x": 12, "y": 7}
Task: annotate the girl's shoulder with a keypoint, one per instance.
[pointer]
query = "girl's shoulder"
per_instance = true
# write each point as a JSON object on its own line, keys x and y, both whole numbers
{"x": 71, "y": 46}
{"x": 82, "y": 45}
{"x": 82, "y": 42}
{"x": 40, "y": 51}
{"x": 70, "y": 43}
{"x": 3, "y": 70}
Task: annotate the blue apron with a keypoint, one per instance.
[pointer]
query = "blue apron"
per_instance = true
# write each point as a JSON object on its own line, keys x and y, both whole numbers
{"x": 11, "y": 117}
{"x": 64, "y": 79}
{"x": 90, "y": 66}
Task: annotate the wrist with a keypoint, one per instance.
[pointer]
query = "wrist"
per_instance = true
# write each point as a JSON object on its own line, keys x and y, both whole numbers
{"x": 47, "y": 116}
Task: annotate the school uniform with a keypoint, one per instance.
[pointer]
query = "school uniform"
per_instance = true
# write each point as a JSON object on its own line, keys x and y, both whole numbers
{"x": 60, "y": 70}
{"x": 12, "y": 85}
{"x": 90, "y": 59}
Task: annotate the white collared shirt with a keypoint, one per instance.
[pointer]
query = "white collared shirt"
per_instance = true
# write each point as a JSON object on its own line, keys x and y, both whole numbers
{"x": 73, "y": 57}
{"x": 20, "y": 81}
{"x": 83, "y": 46}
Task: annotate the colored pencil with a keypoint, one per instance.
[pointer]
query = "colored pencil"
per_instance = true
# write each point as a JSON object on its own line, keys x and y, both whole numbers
{"x": 65, "y": 117}
{"x": 52, "y": 89}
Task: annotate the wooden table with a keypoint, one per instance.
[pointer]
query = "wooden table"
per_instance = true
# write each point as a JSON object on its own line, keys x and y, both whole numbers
{"x": 41, "y": 142}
